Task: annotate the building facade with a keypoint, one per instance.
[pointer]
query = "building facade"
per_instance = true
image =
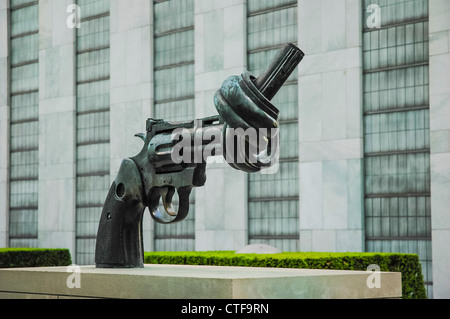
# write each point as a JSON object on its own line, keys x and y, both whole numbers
{"x": 365, "y": 122}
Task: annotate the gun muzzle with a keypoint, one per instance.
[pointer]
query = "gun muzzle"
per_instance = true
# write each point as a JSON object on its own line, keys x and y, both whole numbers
{"x": 282, "y": 66}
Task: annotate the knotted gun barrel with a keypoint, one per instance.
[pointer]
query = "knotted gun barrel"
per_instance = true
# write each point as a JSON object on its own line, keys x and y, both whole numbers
{"x": 244, "y": 103}
{"x": 174, "y": 155}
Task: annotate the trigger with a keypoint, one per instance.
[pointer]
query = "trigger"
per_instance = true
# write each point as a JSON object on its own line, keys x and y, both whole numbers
{"x": 141, "y": 136}
{"x": 167, "y": 195}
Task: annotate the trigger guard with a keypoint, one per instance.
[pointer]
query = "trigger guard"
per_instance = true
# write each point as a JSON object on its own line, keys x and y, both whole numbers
{"x": 183, "y": 207}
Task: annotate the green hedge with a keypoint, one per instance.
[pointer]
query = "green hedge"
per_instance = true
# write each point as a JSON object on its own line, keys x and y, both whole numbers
{"x": 408, "y": 264}
{"x": 33, "y": 257}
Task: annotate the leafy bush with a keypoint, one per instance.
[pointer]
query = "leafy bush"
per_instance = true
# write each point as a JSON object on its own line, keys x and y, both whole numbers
{"x": 33, "y": 257}
{"x": 408, "y": 264}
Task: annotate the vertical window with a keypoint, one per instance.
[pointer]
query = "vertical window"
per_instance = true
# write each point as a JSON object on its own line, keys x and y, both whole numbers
{"x": 174, "y": 96}
{"x": 396, "y": 132}
{"x": 93, "y": 179}
{"x": 274, "y": 199}
{"x": 24, "y": 138}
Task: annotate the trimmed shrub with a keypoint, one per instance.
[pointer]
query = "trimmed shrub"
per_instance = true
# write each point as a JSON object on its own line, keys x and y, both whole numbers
{"x": 407, "y": 264}
{"x": 34, "y": 257}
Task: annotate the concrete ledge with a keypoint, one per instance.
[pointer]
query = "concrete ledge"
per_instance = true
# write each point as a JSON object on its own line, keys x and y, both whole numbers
{"x": 195, "y": 282}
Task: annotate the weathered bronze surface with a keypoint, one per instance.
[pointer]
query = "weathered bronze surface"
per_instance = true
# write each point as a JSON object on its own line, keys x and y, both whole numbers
{"x": 162, "y": 167}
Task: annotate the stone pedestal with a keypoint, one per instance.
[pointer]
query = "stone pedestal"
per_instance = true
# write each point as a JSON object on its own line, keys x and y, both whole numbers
{"x": 195, "y": 282}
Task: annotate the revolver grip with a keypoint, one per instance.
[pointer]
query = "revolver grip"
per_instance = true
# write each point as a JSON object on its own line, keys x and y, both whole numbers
{"x": 119, "y": 238}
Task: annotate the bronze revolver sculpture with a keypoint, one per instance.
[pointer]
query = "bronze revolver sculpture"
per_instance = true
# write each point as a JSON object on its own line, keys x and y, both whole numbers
{"x": 174, "y": 158}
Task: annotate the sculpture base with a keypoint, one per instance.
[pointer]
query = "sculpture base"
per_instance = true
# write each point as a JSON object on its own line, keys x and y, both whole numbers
{"x": 194, "y": 282}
